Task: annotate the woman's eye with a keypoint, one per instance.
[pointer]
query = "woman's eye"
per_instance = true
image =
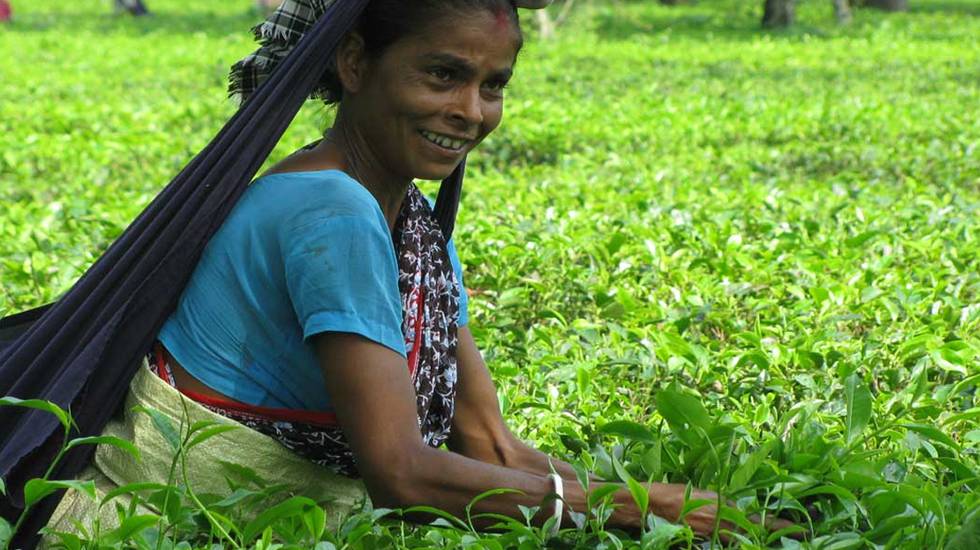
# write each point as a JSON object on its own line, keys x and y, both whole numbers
{"x": 444, "y": 75}
{"x": 496, "y": 86}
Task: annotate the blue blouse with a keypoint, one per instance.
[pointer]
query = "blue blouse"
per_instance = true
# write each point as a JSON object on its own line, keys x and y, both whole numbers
{"x": 301, "y": 253}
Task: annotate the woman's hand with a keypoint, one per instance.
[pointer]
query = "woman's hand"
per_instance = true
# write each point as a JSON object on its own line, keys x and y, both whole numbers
{"x": 667, "y": 500}
{"x": 532, "y": 4}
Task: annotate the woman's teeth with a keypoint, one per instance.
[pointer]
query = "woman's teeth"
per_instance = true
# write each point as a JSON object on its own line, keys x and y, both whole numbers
{"x": 443, "y": 141}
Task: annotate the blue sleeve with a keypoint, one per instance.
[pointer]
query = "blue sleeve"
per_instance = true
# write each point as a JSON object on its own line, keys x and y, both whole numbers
{"x": 342, "y": 276}
{"x": 464, "y": 316}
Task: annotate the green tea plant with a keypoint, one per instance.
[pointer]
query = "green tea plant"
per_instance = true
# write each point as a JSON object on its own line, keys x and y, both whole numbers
{"x": 696, "y": 252}
{"x": 37, "y": 489}
{"x": 171, "y": 515}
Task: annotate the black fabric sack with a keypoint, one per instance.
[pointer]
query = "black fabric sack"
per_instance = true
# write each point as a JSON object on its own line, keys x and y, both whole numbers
{"x": 82, "y": 351}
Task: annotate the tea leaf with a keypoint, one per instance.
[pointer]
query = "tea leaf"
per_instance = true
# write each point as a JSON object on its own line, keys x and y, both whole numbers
{"x": 858, "y": 401}
{"x": 600, "y": 493}
{"x": 445, "y": 516}
{"x": 743, "y": 474}
{"x": 291, "y": 507}
{"x": 40, "y": 405}
{"x": 164, "y": 425}
{"x": 130, "y": 488}
{"x": 113, "y": 441}
{"x": 130, "y": 527}
{"x": 37, "y": 489}
{"x": 6, "y": 533}
{"x": 629, "y": 430}
{"x": 209, "y": 432}
{"x": 685, "y": 414}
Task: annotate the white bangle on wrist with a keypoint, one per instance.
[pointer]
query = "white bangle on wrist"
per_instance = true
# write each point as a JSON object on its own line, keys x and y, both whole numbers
{"x": 559, "y": 490}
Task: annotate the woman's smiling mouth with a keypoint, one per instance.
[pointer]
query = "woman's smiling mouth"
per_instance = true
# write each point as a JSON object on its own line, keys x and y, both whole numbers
{"x": 444, "y": 141}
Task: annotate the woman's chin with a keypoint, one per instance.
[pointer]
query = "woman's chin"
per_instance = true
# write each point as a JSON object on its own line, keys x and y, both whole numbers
{"x": 432, "y": 162}
{"x": 435, "y": 173}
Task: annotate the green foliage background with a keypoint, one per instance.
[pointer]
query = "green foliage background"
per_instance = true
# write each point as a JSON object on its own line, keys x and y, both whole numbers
{"x": 782, "y": 225}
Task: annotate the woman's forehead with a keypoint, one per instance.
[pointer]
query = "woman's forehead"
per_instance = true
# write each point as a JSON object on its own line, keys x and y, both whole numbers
{"x": 500, "y": 18}
{"x": 475, "y": 36}
{"x": 503, "y": 19}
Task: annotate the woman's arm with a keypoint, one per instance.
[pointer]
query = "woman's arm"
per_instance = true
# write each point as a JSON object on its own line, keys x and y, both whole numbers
{"x": 479, "y": 430}
{"x": 376, "y": 406}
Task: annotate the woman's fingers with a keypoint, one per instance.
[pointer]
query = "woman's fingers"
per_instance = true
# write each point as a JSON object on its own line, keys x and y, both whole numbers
{"x": 670, "y": 499}
{"x": 532, "y": 4}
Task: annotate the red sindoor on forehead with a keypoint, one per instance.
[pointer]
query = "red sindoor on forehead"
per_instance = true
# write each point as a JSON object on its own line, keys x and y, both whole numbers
{"x": 502, "y": 17}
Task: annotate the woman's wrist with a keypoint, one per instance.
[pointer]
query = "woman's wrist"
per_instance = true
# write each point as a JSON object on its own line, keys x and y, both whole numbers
{"x": 663, "y": 500}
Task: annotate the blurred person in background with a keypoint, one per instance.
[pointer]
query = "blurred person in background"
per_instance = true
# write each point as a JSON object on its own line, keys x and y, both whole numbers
{"x": 267, "y": 6}
{"x": 134, "y": 7}
{"x": 138, "y": 8}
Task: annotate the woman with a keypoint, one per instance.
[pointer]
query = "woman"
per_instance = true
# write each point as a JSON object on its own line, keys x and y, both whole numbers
{"x": 328, "y": 311}
{"x": 134, "y": 7}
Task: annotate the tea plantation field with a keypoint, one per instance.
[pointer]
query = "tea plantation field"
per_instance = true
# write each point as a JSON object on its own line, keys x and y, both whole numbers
{"x": 697, "y": 251}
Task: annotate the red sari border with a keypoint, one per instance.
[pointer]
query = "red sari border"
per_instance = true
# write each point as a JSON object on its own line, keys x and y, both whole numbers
{"x": 266, "y": 413}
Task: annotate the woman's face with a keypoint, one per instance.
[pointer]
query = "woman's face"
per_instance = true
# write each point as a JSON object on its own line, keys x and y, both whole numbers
{"x": 431, "y": 97}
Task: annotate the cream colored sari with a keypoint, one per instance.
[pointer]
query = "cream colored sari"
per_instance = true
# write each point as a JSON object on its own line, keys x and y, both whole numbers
{"x": 113, "y": 467}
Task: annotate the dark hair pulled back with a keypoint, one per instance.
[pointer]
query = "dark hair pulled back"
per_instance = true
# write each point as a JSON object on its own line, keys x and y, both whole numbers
{"x": 385, "y": 22}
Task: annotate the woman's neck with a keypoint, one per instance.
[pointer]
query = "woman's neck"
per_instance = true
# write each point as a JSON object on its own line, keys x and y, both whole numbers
{"x": 356, "y": 157}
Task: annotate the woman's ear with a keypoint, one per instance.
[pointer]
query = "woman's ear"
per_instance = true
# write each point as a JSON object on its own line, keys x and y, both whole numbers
{"x": 351, "y": 62}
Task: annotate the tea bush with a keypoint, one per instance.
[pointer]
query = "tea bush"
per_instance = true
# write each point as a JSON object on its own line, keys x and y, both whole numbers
{"x": 697, "y": 251}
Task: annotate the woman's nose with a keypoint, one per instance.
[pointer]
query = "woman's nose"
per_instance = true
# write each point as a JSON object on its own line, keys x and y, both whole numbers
{"x": 468, "y": 106}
